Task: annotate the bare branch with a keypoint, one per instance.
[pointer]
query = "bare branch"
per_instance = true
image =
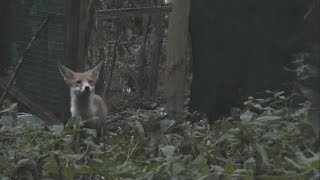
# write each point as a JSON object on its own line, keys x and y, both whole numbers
{"x": 112, "y": 13}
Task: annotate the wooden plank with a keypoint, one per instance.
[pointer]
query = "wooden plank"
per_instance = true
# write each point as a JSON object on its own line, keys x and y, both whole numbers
{"x": 37, "y": 109}
{"x": 113, "y": 13}
{"x": 176, "y": 53}
{"x": 74, "y": 44}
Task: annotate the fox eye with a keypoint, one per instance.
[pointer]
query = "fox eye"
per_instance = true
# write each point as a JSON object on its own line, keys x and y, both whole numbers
{"x": 78, "y": 82}
{"x": 90, "y": 81}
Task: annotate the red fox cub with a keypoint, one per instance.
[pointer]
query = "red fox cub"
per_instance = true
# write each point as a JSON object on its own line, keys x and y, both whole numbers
{"x": 84, "y": 102}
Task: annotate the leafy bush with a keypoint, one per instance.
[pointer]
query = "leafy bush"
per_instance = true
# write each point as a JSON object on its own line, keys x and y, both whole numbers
{"x": 262, "y": 140}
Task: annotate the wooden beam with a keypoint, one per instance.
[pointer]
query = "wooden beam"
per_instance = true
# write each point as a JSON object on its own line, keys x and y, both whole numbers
{"x": 176, "y": 59}
{"x": 113, "y": 13}
{"x": 74, "y": 34}
{"x": 74, "y": 44}
{"x": 35, "y": 108}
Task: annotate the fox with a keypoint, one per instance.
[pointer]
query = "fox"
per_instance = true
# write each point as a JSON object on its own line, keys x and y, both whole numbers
{"x": 84, "y": 102}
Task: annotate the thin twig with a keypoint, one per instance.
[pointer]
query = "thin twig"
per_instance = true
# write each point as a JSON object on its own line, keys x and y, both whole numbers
{"x": 111, "y": 13}
{"x": 30, "y": 103}
{"x": 142, "y": 60}
{"x": 90, "y": 18}
{"x": 112, "y": 65}
{"x": 35, "y": 35}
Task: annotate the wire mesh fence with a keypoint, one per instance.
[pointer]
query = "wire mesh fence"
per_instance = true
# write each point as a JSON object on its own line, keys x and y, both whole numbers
{"x": 126, "y": 43}
{"x": 38, "y": 77}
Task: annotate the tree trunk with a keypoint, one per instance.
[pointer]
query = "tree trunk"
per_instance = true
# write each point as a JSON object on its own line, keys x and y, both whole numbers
{"x": 156, "y": 50}
{"x": 176, "y": 57}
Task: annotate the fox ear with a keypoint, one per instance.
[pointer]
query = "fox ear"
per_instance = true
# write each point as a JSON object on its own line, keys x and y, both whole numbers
{"x": 95, "y": 71}
{"x": 65, "y": 72}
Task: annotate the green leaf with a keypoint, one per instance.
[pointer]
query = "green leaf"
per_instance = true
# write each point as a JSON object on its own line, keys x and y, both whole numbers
{"x": 217, "y": 169}
{"x": 246, "y": 116}
{"x": 209, "y": 177}
{"x": 75, "y": 157}
{"x": 241, "y": 171}
{"x": 200, "y": 164}
{"x": 84, "y": 169}
{"x": 166, "y": 124}
{"x": 257, "y": 106}
{"x": 23, "y": 162}
{"x": 225, "y": 137}
{"x": 97, "y": 160}
{"x": 69, "y": 173}
{"x": 10, "y": 108}
{"x": 271, "y": 136}
{"x": 263, "y": 154}
{"x": 278, "y": 93}
{"x": 229, "y": 168}
{"x": 140, "y": 129}
{"x": 50, "y": 167}
{"x": 92, "y": 132}
{"x": 168, "y": 151}
{"x": 250, "y": 164}
{"x": 57, "y": 129}
{"x": 293, "y": 163}
{"x": 315, "y": 164}
{"x": 266, "y": 119}
{"x": 177, "y": 168}
{"x": 149, "y": 175}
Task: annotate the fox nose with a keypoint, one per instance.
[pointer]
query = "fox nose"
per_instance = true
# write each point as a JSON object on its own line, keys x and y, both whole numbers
{"x": 87, "y": 88}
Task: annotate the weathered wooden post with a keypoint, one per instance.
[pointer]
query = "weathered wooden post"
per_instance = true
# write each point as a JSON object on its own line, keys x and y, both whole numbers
{"x": 74, "y": 43}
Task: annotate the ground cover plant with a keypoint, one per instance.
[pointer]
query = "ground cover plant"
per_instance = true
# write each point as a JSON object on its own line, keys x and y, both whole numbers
{"x": 263, "y": 139}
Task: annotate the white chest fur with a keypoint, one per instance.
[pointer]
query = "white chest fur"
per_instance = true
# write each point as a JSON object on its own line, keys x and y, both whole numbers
{"x": 81, "y": 106}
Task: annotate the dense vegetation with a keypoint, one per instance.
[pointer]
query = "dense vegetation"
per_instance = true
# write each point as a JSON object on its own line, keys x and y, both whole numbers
{"x": 273, "y": 136}
{"x": 264, "y": 139}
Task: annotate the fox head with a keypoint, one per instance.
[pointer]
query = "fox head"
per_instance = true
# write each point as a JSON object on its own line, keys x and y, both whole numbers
{"x": 80, "y": 83}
